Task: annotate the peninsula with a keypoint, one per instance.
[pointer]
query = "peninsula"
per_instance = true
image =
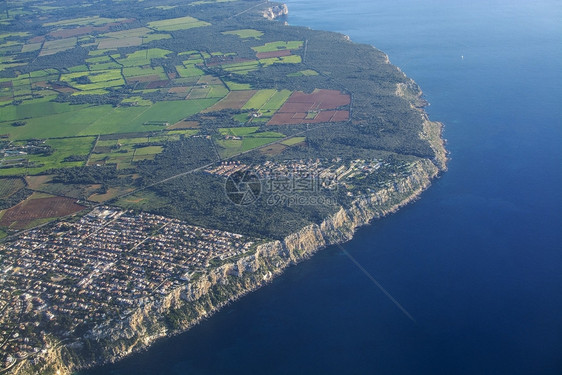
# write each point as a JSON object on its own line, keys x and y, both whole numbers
{"x": 160, "y": 159}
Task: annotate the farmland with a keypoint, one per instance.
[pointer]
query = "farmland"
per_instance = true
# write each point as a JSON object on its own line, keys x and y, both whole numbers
{"x": 9, "y": 186}
{"x": 63, "y": 120}
{"x": 129, "y": 98}
{"x": 245, "y": 33}
{"x": 37, "y": 209}
{"x": 234, "y": 100}
{"x": 237, "y": 140}
{"x": 278, "y": 46}
{"x": 319, "y": 106}
{"x": 182, "y": 23}
{"x": 162, "y": 99}
{"x": 123, "y": 152}
{"x": 61, "y": 152}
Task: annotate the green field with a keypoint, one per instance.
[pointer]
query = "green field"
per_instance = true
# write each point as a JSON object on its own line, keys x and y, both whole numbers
{"x": 148, "y": 152}
{"x": 78, "y": 68}
{"x": 31, "y": 47}
{"x": 182, "y": 23}
{"x": 293, "y": 141}
{"x": 238, "y": 131}
{"x": 98, "y": 79}
{"x": 245, "y": 33}
{"x": 51, "y": 47}
{"x": 242, "y": 68}
{"x": 276, "y": 46}
{"x": 123, "y": 152}
{"x": 303, "y": 73}
{"x": 265, "y": 135}
{"x": 277, "y": 100}
{"x": 266, "y": 103}
{"x": 291, "y": 59}
{"x": 47, "y": 119}
{"x": 172, "y": 133}
{"x": 104, "y": 66}
{"x": 63, "y": 148}
{"x": 155, "y": 36}
{"x": 251, "y": 139}
{"x": 138, "y": 71}
{"x": 124, "y": 34}
{"x": 20, "y": 34}
{"x": 99, "y": 59}
{"x": 139, "y": 101}
{"x": 231, "y": 147}
{"x": 142, "y": 200}
{"x": 141, "y": 57}
{"x": 259, "y": 99}
{"x": 189, "y": 71}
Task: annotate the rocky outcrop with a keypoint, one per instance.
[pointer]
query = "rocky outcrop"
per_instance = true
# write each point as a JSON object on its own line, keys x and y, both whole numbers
{"x": 432, "y": 131}
{"x": 276, "y": 12}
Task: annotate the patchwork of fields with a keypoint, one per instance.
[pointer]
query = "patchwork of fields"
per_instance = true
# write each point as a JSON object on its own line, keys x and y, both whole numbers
{"x": 124, "y": 94}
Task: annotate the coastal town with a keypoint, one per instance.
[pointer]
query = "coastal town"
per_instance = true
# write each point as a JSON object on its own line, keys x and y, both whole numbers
{"x": 79, "y": 274}
{"x": 301, "y": 175}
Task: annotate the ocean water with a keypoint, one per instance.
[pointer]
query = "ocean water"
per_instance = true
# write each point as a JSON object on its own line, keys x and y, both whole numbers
{"x": 477, "y": 261}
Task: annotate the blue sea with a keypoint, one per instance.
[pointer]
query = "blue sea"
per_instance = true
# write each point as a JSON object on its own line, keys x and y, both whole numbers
{"x": 476, "y": 262}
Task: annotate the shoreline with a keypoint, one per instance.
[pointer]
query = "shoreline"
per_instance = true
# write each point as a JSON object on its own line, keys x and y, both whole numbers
{"x": 259, "y": 269}
{"x": 144, "y": 326}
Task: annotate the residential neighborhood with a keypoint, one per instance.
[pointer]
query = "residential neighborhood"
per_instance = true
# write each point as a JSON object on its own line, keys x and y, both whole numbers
{"x": 76, "y": 275}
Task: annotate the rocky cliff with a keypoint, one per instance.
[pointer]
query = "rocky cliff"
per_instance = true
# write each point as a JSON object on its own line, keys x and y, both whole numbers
{"x": 276, "y": 12}
{"x": 198, "y": 298}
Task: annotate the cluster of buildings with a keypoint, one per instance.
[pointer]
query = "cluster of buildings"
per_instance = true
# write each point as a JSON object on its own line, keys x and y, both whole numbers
{"x": 15, "y": 155}
{"x": 73, "y": 276}
{"x": 294, "y": 174}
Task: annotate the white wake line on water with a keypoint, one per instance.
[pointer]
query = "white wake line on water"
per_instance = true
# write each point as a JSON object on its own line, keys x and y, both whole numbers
{"x": 382, "y": 289}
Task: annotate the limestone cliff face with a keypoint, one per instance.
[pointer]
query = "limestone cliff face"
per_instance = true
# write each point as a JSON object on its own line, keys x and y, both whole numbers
{"x": 276, "y": 11}
{"x": 432, "y": 131}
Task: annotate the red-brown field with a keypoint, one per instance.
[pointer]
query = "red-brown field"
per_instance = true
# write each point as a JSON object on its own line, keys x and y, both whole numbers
{"x": 274, "y": 149}
{"x": 234, "y": 100}
{"x": 180, "y": 90}
{"x": 319, "y": 106}
{"x": 209, "y": 80}
{"x": 56, "y": 87}
{"x": 157, "y": 84}
{"x": 24, "y": 213}
{"x": 267, "y": 55}
{"x": 36, "y": 39}
{"x": 83, "y": 30}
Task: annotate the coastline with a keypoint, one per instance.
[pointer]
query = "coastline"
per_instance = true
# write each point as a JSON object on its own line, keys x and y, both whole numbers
{"x": 143, "y": 327}
{"x": 197, "y": 301}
